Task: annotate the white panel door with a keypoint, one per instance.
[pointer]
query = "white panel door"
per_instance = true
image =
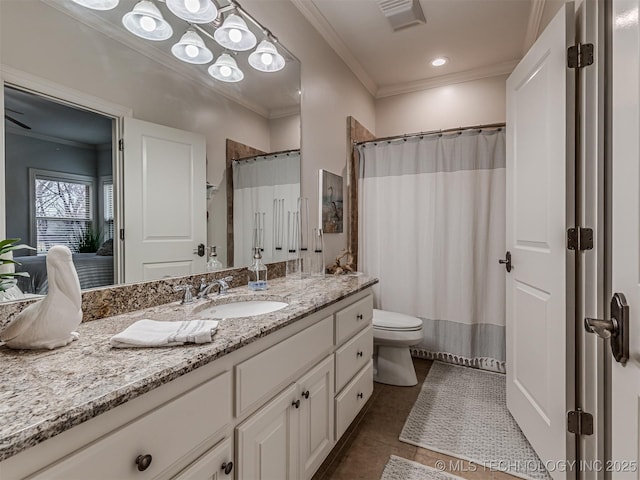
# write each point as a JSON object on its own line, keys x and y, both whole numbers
{"x": 164, "y": 201}
{"x": 625, "y": 192}
{"x": 316, "y": 417}
{"x": 540, "y": 208}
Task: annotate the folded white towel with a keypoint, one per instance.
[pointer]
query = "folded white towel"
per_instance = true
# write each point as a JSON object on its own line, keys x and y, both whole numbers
{"x": 151, "y": 333}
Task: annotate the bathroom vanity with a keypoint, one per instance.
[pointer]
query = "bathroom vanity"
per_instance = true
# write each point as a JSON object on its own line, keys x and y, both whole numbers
{"x": 268, "y": 398}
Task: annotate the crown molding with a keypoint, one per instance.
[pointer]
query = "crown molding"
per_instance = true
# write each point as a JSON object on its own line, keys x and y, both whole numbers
{"x": 533, "y": 26}
{"x": 443, "y": 80}
{"x": 95, "y": 22}
{"x": 284, "y": 112}
{"x": 324, "y": 28}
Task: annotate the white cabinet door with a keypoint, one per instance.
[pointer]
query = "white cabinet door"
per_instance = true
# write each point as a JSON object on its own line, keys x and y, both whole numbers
{"x": 625, "y": 193}
{"x": 216, "y": 464}
{"x": 164, "y": 201}
{"x": 267, "y": 441}
{"x": 316, "y": 417}
{"x": 540, "y": 209}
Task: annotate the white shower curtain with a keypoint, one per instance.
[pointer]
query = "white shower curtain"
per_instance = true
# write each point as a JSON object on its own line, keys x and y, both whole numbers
{"x": 257, "y": 182}
{"x": 432, "y": 228}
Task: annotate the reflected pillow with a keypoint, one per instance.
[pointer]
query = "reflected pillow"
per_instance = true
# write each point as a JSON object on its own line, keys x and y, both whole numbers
{"x": 106, "y": 249}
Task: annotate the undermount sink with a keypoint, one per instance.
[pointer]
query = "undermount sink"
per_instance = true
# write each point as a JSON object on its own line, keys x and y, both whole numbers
{"x": 248, "y": 308}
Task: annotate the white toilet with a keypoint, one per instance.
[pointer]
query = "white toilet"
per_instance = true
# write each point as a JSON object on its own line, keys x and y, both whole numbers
{"x": 393, "y": 334}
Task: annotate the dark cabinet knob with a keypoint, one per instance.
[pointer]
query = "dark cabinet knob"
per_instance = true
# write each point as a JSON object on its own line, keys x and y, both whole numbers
{"x": 296, "y": 404}
{"x": 358, "y": 354}
{"x": 360, "y": 395}
{"x": 143, "y": 462}
{"x": 305, "y": 394}
{"x": 227, "y": 467}
{"x": 359, "y": 316}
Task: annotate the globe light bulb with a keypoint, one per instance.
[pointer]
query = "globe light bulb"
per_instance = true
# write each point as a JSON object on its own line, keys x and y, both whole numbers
{"x": 235, "y": 35}
{"x": 148, "y": 24}
{"x": 266, "y": 58}
{"x": 192, "y": 5}
{"x": 225, "y": 71}
{"x": 191, "y": 51}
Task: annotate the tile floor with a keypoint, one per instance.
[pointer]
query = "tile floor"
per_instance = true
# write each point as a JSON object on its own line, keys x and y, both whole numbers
{"x": 365, "y": 448}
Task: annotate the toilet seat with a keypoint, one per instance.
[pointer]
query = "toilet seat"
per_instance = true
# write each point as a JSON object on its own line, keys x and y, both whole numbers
{"x": 393, "y": 321}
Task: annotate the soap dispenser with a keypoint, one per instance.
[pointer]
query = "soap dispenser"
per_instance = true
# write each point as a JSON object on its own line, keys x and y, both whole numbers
{"x": 213, "y": 263}
{"x": 257, "y": 272}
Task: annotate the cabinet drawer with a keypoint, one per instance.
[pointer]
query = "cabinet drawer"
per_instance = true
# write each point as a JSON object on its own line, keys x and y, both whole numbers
{"x": 352, "y": 356}
{"x": 212, "y": 465}
{"x": 270, "y": 369}
{"x": 353, "y": 318}
{"x": 166, "y": 433}
{"x": 353, "y": 398}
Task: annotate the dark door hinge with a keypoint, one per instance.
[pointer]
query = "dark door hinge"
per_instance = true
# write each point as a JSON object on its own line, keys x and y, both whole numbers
{"x": 580, "y": 55}
{"x": 579, "y": 422}
{"x": 580, "y": 239}
{"x": 122, "y": 234}
{"x": 121, "y": 145}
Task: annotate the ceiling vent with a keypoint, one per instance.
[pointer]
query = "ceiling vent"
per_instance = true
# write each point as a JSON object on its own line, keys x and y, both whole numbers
{"x": 402, "y": 13}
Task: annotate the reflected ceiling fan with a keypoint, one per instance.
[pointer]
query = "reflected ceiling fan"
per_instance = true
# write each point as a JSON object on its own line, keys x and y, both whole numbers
{"x": 13, "y": 120}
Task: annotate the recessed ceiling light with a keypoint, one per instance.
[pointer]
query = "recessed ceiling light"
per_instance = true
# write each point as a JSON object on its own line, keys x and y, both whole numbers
{"x": 440, "y": 61}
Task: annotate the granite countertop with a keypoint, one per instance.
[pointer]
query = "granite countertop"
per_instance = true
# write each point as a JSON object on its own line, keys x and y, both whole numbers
{"x": 43, "y": 393}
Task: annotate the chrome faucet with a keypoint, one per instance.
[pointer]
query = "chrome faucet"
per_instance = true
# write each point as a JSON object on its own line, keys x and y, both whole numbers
{"x": 187, "y": 298}
{"x": 222, "y": 284}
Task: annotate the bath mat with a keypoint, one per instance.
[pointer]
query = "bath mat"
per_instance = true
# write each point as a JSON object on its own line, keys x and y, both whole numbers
{"x": 462, "y": 412}
{"x": 398, "y": 468}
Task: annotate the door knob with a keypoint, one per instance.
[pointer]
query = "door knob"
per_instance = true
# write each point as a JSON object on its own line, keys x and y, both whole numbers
{"x": 296, "y": 404}
{"x": 616, "y": 328}
{"x": 305, "y": 394}
{"x": 506, "y": 262}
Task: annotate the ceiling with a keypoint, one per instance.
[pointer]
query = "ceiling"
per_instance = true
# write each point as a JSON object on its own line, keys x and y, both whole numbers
{"x": 481, "y": 38}
{"x": 55, "y": 120}
{"x": 271, "y": 95}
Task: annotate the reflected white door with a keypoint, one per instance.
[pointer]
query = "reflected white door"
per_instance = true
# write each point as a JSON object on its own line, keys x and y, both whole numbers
{"x": 625, "y": 193}
{"x": 164, "y": 201}
{"x": 540, "y": 208}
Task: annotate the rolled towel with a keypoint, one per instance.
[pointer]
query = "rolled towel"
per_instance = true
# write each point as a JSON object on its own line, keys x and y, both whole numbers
{"x": 151, "y": 333}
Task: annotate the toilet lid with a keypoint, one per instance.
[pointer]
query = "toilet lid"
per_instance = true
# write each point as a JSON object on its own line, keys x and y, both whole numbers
{"x": 385, "y": 320}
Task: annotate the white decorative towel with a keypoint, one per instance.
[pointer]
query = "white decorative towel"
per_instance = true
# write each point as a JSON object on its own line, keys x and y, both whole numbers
{"x": 151, "y": 333}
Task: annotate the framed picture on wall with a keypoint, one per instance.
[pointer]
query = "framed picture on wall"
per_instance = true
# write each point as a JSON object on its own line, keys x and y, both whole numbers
{"x": 331, "y": 203}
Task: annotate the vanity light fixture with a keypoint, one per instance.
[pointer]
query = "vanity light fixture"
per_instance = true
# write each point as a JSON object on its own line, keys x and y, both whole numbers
{"x": 266, "y": 58}
{"x": 191, "y": 49}
{"x": 226, "y": 69}
{"x": 439, "y": 61}
{"x": 98, "y": 4}
{"x": 145, "y": 21}
{"x": 235, "y": 35}
{"x": 193, "y": 11}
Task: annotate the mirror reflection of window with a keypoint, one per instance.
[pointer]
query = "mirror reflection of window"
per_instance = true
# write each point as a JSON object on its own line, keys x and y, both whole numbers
{"x": 63, "y": 210}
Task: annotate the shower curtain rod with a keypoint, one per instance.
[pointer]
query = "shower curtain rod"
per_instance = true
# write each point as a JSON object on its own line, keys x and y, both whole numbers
{"x": 281, "y": 152}
{"x": 432, "y": 132}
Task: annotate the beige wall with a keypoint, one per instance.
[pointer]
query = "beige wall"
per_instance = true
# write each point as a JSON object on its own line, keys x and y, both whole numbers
{"x": 470, "y": 103}
{"x": 330, "y": 93}
{"x": 285, "y": 133}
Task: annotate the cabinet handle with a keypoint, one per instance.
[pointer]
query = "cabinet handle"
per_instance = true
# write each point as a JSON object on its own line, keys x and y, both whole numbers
{"x": 227, "y": 467}
{"x": 358, "y": 354}
{"x": 360, "y": 395}
{"x": 296, "y": 404}
{"x": 359, "y": 316}
{"x": 143, "y": 462}
{"x": 305, "y": 394}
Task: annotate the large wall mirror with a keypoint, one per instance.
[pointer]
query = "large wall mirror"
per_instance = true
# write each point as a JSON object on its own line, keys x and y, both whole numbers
{"x": 65, "y": 178}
